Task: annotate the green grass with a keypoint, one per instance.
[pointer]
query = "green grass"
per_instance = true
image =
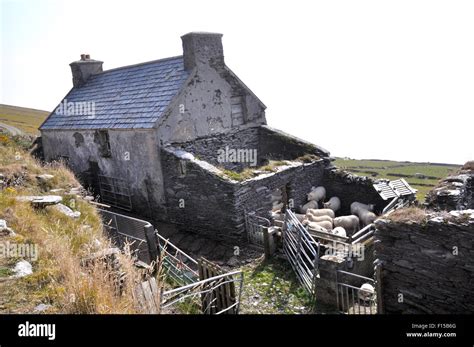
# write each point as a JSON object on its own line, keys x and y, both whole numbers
{"x": 270, "y": 287}
{"x": 389, "y": 169}
{"x": 25, "y": 119}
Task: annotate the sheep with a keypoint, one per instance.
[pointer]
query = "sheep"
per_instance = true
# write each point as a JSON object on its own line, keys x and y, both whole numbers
{"x": 334, "y": 203}
{"x": 301, "y": 217}
{"x": 339, "y": 231}
{"x": 356, "y": 206}
{"x": 317, "y": 194}
{"x": 349, "y": 223}
{"x": 309, "y": 205}
{"x": 322, "y": 212}
{"x": 366, "y": 292}
{"x": 313, "y": 218}
{"x": 366, "y": 217}
{"x": 324, "y": 224}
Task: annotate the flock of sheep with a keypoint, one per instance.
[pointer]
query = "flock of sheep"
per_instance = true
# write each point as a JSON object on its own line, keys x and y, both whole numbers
{"x": 324, "y": 219}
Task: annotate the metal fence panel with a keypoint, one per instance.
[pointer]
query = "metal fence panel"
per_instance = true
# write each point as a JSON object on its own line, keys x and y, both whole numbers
{"x": 302, "y": 251}
{"x": 352, "y": 297}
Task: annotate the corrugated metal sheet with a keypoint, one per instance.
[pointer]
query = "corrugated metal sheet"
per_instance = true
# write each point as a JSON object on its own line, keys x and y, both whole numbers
{"x": 392, "y": 189}
{"x": 129, "y": 97}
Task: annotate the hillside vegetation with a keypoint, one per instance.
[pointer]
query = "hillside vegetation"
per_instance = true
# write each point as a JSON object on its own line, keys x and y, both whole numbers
{"x": 25, "y": 119}
{"x": 59, "y": 280}
{"x": 421, "y": 176}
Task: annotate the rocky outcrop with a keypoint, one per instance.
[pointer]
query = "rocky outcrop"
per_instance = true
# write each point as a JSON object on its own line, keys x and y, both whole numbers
{"x": 455, "y": 192}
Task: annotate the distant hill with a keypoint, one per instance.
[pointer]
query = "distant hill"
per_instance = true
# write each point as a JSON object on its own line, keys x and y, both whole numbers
{"x": 421, "y": 176}
{"x": 25, "y": 119}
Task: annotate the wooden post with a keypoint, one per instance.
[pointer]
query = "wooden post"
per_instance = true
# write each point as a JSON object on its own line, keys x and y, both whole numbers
{"x": 152, "y": 242}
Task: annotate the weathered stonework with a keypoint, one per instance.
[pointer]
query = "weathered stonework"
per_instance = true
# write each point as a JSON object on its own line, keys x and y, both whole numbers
{"x": 349, "y": 188}
{"x": 428, "y": 266}
{"x": 222, "y": 214}
{"x": 453, "y": 193}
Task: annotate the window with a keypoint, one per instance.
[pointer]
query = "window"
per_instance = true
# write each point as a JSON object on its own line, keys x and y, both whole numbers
{"x": 237, "y": 110}
{"x": 101, "y": 137}
{"x": 182, "y": 168}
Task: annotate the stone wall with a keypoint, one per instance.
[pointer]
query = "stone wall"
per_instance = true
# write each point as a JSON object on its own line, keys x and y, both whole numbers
{"x": 268, "y": 143}
{"x": 328, "y": 266}
{"x": 214, "y": 205}
{"x": 453, "y": 193}
{"x": 134, "y": 158}
{"x": 279, "y": 145}
{"x": 429, "y": 265}
{"x": 208, "y": 148}
{"x": 349, "y": 188}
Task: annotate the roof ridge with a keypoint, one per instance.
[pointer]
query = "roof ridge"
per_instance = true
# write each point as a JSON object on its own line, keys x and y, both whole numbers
{"x": 139, "y": 64}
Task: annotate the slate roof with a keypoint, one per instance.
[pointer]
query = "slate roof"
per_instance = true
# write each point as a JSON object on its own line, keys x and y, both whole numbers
{"x": 130, "y": 97}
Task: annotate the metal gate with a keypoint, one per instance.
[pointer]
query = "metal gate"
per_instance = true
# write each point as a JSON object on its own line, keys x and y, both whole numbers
{"x": 138, "y": 234}
{"x": 356, "y": 294}
{"x": 302, "y": 251}
{"x": 115, "y": 192}
{"x": 255, "y": 226}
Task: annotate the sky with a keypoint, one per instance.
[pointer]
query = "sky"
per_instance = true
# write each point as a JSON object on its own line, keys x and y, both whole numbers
{"x": 363, "y": 79}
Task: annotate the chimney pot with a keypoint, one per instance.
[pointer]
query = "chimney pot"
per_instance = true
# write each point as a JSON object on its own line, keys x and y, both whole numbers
{"x": 83, "y": 57}
{"x": 88, "y": 56}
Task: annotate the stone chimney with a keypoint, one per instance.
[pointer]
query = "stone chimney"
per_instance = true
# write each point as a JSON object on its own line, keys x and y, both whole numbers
{"x": 202, "y": 48}
{"x": 83, "y": 69}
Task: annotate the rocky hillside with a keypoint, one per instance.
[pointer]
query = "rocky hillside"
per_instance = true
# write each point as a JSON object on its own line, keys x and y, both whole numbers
{"x": 44, "y": 242}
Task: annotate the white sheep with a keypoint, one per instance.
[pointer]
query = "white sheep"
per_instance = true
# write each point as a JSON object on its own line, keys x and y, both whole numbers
{"x": 313, "y": 218}
{"x": 324, "y": 224}
{"x": 317, "y": 194}
{"x": 321, "y": 212}
{"x": 301, "y": 217}
{"x": 366, "y": 217}
{"x": 349, "y": 223}
{"x": 356, "y": 206}
{"x": 339, "y": 231}
{"x": 309, "y": 205}
{"x": 312, "y": 226}
{"x": 366, "y": 292}
{"x": 334, "y": 204}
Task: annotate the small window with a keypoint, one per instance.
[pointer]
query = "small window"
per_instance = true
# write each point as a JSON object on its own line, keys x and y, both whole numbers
{"x": 237, "y": 110}
{"x": 102, "y": 139}
{"x": 182, "y": 168}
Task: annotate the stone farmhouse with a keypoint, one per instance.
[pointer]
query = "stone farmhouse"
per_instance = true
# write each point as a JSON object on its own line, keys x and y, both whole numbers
{"x": 183, "y": 140}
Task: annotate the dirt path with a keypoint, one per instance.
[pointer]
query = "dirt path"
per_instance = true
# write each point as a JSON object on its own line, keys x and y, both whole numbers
{"x": 11, "y": 129}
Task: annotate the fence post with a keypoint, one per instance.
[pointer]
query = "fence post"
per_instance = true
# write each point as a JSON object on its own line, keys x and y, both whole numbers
{"x": 152, "y": 242}
{"x": 266, "y": 243}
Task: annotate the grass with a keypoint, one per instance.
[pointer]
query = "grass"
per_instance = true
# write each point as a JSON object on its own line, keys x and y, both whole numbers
{"x": 58, "y": 279}
{"x": 409, "y": 214}
{"x": 250, "y": 172}
{"x": 25, "y": 119}
{"x": 272, "y": 288}
{"x": 393, "y": 169}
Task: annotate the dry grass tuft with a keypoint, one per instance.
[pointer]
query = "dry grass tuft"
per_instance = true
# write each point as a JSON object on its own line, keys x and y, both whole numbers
{"x": 409, "y": 214}
{"x": 469, "y": 166}
{"x": 59, "y": 278}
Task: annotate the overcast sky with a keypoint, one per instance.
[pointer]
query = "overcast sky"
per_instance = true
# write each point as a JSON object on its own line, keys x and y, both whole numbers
{"x": 363, "y": 79}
